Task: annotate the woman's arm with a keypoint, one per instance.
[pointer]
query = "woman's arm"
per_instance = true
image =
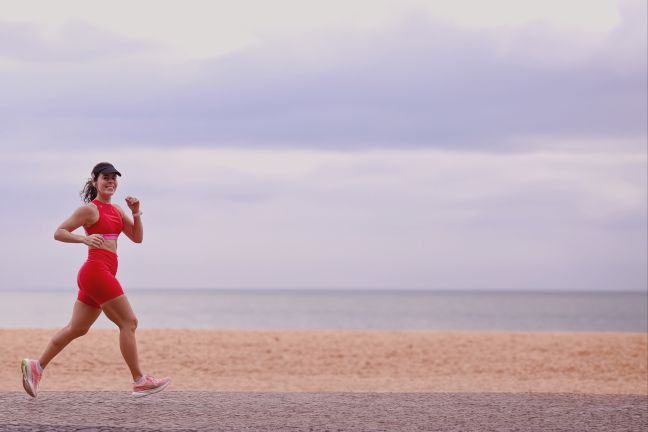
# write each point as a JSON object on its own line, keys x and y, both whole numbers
{"x": 133, "y": 229}
{"x": 81, "y": 216}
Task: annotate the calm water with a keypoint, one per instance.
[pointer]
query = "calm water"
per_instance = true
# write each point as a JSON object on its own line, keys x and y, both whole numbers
{"x": 350, "y": 310}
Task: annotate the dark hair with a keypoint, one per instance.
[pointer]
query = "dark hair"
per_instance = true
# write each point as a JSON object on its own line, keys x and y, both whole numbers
{"x": 89, "y": 192}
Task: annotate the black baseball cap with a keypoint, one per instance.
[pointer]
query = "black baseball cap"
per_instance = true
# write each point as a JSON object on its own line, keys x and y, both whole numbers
{"x": 104, "y": 168}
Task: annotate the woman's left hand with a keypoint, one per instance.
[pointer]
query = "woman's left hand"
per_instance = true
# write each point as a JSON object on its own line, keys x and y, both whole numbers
{"x": 133, "y": 204}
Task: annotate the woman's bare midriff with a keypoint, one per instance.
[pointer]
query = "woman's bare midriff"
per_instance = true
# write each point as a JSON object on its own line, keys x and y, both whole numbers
{"x": 109, "y": 245}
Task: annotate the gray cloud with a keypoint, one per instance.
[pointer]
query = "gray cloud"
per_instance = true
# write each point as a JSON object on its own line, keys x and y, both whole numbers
{"x": 418, "y": 219}
{"x": 417, "y": 84}
{"x": 75, "y": 42}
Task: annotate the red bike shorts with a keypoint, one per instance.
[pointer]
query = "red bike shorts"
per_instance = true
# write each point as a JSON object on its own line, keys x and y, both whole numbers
{"x": 96, "y": 279}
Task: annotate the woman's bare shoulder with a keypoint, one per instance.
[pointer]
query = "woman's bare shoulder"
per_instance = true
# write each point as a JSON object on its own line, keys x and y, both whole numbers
{"x": 87, "y": 209}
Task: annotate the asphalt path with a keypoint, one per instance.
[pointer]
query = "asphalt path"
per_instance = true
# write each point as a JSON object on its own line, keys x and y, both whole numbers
{"x": 242, "y": 411}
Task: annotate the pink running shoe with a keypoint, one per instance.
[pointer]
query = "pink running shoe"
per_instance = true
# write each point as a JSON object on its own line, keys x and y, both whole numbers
{"x": 31, "y": 376}
{"x": 150, "y": 385}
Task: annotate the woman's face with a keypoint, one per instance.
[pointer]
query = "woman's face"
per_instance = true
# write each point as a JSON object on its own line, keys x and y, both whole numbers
{"x": 106, "y": 184}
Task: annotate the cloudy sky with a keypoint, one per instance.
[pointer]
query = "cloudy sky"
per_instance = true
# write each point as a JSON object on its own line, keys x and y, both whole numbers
{"x": 340, "y": 144}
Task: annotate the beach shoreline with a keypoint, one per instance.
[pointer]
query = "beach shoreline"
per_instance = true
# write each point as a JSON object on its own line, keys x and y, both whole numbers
{"x": 343, "y": 361}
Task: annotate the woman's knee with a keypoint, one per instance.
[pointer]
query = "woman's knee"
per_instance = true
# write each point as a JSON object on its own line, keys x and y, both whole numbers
{"x": 129, "y": 324}
{"x": 77, "y": 331}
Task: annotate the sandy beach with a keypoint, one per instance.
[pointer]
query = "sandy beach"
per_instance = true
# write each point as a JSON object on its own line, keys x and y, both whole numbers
{"x": 343, "y": 361}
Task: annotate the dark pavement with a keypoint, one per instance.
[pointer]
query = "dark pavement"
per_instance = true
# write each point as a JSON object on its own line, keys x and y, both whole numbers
{"x": 233, "y": 411}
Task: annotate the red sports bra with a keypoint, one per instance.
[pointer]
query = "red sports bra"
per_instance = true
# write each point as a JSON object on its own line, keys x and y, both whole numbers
{"x": 110, "y": 223}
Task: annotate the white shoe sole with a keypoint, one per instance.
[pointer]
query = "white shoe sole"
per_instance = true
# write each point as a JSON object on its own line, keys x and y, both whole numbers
{"x": 152, "y": 391}
{"x": 26, "y": 373}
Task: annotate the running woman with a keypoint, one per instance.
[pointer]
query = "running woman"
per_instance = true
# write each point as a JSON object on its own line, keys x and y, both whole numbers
{"x": 99, "y": 290}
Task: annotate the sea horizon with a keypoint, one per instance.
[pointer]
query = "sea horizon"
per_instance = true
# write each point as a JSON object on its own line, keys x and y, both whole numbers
{"x": 352, "y": 290}
{"x": 358, "y": 309}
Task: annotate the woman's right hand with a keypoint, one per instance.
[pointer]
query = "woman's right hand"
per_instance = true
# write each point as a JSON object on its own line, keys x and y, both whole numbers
{"x": 93, "y": 240}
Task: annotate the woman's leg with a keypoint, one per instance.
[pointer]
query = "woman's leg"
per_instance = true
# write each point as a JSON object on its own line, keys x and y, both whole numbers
{"x": 83, "y": 316}
{"x": 119, "y": 311}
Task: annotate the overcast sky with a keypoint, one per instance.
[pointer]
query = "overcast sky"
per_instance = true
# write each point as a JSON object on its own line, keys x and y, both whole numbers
{"x": 339, "y": 144}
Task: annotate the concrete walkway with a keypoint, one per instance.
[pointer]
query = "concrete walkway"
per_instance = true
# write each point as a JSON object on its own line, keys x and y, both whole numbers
{"x": 212, "y": 411}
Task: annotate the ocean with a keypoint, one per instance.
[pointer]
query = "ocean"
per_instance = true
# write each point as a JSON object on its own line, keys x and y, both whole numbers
{"x": 349, "y": 310}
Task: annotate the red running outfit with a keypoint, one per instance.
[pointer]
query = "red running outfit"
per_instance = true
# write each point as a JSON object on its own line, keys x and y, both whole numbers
{"x": 96, "y": 279}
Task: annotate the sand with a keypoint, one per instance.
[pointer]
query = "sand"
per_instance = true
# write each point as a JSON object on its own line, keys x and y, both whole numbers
{"x": 343, "y": 361}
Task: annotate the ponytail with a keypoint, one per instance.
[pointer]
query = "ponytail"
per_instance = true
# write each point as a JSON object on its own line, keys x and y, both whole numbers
{"x": 89, "y": 192}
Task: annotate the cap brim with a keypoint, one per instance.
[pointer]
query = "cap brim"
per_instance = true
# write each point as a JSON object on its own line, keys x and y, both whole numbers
{"x": 109, "y": 170}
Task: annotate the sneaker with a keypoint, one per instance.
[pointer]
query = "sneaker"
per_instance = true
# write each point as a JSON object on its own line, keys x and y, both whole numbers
{"x": 31, "y": 376}
{"x": 150, "y": 385}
